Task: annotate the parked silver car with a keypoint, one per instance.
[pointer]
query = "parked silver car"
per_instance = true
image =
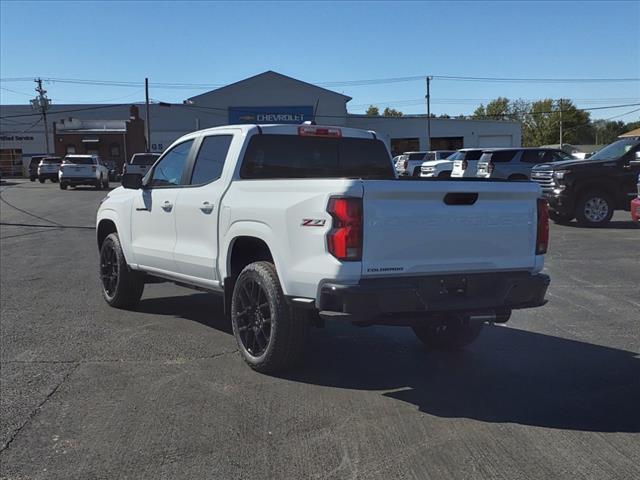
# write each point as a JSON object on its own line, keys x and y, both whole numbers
{"x": 516, "y": 163}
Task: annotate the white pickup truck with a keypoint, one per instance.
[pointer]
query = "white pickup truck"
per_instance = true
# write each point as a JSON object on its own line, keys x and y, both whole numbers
{"x": 294, "y": 225}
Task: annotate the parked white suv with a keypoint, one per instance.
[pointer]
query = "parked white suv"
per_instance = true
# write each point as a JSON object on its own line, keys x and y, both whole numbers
{"x": 293, "y": 225}
{"x": 437, "y": 164}
{"x": 409, "y": 163}
{"x": 465, "y": 162}
{"x": 83, "y": 170}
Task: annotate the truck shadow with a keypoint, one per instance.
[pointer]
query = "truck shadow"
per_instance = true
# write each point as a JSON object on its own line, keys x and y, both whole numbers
{"x": 507, "y": 376}
{"x": 613, "y": 225}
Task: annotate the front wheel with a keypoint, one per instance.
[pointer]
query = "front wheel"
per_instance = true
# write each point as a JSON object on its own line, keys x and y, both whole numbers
{"x": 63, "y": 186}
{"x": 448, "y": 333}
{"x": 121, "y": 286}
{"x": 594, "y": 209}
{"x": 270, "y": 333}
{"x": 41, "y": 180}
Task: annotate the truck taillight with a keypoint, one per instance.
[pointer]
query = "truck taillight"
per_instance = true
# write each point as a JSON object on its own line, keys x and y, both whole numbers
{"x": 542, "y": 235}
{"x": 313, "y": 131}
{"x": 345, "y": 237}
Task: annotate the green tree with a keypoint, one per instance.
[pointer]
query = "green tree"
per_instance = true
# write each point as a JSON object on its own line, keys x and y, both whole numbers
{"x": 541, "y": 125}
{"x": 373, "y": 111}
{"x": 391, "y": 112}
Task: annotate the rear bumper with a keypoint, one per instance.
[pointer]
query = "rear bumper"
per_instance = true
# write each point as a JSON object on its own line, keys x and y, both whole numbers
{"x": 400, "y": 300}
{"x": 48, "y": 175}
{"x": 79, "y": 180}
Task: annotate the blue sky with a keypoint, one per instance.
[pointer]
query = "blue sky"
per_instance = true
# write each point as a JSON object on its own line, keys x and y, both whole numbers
{"x": 219, "y": 43}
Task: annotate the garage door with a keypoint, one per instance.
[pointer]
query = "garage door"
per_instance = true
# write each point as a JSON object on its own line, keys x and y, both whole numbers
{"x": 495, "y": 141}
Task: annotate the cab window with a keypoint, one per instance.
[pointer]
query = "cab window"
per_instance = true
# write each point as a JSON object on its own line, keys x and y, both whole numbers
{"x": 168, "y": 171}
{"x": 210, "y": 159}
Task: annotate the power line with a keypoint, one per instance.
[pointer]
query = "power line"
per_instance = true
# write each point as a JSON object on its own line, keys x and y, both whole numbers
{"x": 340, "y": 83}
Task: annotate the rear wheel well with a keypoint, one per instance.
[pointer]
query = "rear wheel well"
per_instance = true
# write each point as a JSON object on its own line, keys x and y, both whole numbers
{"x": 105, "y": 228}
{"x": 247, "y": 250}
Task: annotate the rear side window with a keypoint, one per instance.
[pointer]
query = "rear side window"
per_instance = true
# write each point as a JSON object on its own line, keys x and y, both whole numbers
{"x": 417, "y": 156}
{"x": 503, "y": 156}
{"x": 472, "y": 155}
{"x": 210, "y": 159}
{"x": 292, "y": 156}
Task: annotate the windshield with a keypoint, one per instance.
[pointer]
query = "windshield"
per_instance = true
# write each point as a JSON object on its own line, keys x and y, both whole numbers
{"x": 615, "y": 150}
{"x": 51, "y": 161}
{"x": 79, "y": 160}
{"x": 292, "y": 156}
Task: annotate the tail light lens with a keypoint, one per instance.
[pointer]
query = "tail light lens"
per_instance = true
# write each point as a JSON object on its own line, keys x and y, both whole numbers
{"x": 542, "y": 236}
{"x": 313, "y": 131}
{"x": 345, "y": 237}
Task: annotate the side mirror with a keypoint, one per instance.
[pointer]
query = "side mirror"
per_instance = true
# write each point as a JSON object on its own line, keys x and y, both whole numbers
{"x": 132, "y": 181}
{"x": 636, "y": 162}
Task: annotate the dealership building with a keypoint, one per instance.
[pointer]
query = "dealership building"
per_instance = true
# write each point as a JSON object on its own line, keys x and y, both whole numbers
{"x": 269, "y": 97}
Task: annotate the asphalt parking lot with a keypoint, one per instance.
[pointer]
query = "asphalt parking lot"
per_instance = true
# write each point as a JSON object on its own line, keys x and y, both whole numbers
{"x": 88, "y": 391}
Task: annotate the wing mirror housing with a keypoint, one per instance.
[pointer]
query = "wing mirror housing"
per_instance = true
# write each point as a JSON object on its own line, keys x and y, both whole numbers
{"x": 132, "y": 181}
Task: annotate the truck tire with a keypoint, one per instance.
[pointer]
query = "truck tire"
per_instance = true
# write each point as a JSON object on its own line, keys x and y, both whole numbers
{"x": 445, "y": 174}
{"x": 270, "y": 333}
{"x": 448, "y": 333}
{"x": 416, "y": 172}
{"x": 121, "y": 286}
{"x": 594, "y": 209}
{"x": 63, "y": 186}
{"x": 54, "y": 179}
{"x": 98, "y": 184}
{"x": 41, "y": 180}
{"x": 559, "y": 218}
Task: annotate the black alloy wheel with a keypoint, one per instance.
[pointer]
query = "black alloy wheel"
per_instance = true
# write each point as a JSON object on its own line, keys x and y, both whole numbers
{"x": 109, "y": 270}
{"x": 254, "y": 317}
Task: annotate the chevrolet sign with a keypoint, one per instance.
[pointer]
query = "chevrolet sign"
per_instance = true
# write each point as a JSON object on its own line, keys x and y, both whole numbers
{"x": 292, "y": 115}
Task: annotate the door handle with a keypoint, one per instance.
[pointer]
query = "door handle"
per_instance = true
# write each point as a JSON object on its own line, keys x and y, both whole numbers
{"x": 167, "y": 206}
{"x": 207, "y": 207}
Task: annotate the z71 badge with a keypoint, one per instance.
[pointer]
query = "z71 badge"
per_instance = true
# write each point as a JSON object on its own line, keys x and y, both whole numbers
{"x": 313, "y": 222}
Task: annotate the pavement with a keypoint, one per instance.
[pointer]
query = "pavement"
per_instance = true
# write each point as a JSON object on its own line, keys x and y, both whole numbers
{"x": 91, "y": 392}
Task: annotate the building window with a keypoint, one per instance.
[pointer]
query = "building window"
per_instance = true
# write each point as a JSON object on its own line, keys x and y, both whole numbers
{"x": 71, "y": 149}
{"x": 114, "y": 150}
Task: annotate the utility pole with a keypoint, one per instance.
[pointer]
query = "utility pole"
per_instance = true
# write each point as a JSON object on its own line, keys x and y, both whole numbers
{"x": 146, "y": 94}
{"x": 42, "y": 103}
{"x": 560, "y": 106}
{"x": 428, "y": 97}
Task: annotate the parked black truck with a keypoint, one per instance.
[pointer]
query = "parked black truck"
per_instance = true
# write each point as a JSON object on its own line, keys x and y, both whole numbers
{"x": 590, "y": 190}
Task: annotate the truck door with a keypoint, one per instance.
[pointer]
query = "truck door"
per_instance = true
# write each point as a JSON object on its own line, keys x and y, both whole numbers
{"x": 197, "y": 210}
{"x": 153, "y": 223}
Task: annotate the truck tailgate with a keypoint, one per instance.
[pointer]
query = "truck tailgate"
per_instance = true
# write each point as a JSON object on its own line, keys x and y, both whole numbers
{"x": 431, "y": 227}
